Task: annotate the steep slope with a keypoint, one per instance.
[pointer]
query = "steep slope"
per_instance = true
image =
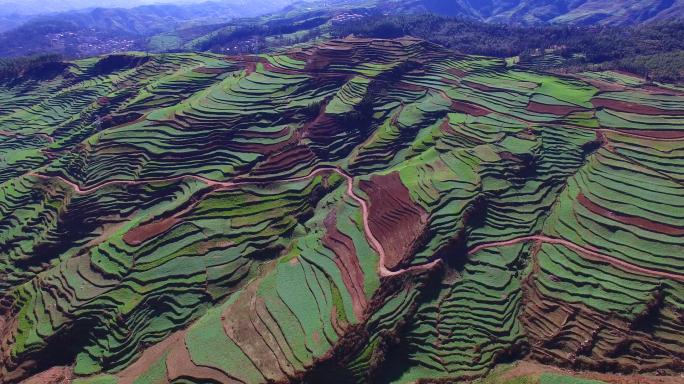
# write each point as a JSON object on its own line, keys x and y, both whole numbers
{"x": 356, "y": 211}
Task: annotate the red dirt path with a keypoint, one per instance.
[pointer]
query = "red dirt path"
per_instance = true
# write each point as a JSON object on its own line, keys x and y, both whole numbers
{"x": 373, "y": 241}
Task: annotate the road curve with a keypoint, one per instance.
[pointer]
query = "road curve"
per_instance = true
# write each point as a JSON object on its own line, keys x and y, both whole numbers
{"x": 372, "y": 240}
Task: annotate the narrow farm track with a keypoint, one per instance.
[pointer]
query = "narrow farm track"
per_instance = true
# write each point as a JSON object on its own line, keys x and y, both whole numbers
{"x": 382, "y": 269}
{"x": 581, "y": 250}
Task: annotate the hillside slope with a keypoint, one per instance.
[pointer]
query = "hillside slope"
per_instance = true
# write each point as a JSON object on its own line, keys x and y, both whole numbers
{"x": 358, "y": 211}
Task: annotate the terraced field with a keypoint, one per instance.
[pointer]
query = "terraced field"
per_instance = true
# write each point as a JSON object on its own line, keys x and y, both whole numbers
{"x": 358, "y": 211}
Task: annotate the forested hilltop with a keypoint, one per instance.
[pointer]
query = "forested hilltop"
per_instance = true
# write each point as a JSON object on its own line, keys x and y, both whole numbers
{"x": 651, "y": 50}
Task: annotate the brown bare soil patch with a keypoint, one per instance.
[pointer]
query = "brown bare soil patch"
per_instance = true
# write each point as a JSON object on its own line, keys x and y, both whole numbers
{"x": 655, "y": 134}
{"x": 54, "y": 375}
{"x": 604, "y": 86}
{"x": 561, "y": 110}
{"x": 630, "y": 220}
{"x": 446, "y": 128}
{"x": 394, "y": 219}
{"x": 284, "y": 161}
{"x": 481, "y": 87}
{"x": 623, "y": 106}
{"x": 664, "y": 91}
{"x": 469, "y": 109}
{"x": 180, "y": 365}
{"x": 527, "y": 368}
{"x": 246, "y": 322}
{"x": 625, "y": 73}
{"x": 138, "y": 235}
{"x": 409, "y": 87}
{"x": 263, "y": 135}
{"x": 149, "y": 357}
{"x": 211, "y": 70}
{"x": 347, "y": 262}
{"x": 457, "y": 72}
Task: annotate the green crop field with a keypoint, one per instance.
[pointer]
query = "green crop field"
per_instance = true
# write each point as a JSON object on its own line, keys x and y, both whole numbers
{"x": 356, "y": 211}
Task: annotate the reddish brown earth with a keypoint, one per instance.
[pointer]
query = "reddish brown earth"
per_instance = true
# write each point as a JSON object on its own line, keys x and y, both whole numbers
{"x": 262, "y": 135}
{"x": 553, "y": 109}
{"x": 665, "y": 91}
{"x": 457, "y": 72}
{"x": 347, "y": 262}
{"x": 627, "y": 74}
{"x": 446, "y": 129}
{"x": 410, "y": 87}
{"x": 604, "y": 86}
{"x": 623, "y": 106}
{"x": 470, "y": 109}
{"x": 396, "y": 221}
{"x": 179, "y": 365}
{"x": 54, "y": 375}
{"x": 581, "y": 251}
{"x": 284, "y": 161}
{"x": 526, "y": 368}
{"x": 150, "y": 356}
{"x": 481, "y": 87}
{"x": 651, "y": 133}
{"x": 630, "y": 220}
{"x": 211, "y": 70}
{"x": 142, "y": 233}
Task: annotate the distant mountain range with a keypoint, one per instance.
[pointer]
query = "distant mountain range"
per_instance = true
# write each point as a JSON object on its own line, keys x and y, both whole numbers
{"x": 141, "y": 19}
{"x": 610, "y": 12}
{"x": 34, "y": 7}
{"x": 132, "y": 17}
{"x": 120, "y": 29}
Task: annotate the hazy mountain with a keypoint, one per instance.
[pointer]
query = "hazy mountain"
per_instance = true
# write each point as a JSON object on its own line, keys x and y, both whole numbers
{"x": 152, "y": 19}
{"x": 616, "y": 12}
{"x": 33, "y": 7}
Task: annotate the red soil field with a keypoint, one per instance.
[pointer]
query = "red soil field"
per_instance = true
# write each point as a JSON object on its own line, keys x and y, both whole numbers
{"x": 665, "y": 91}
{"x": 468, "y": 108}
{"x": 144, "y": 232}
{"x": 627, "y": 74}
{"x": 457, "y": 72}
{"x": 652, "y": 133}
{"x": 394, "y": 219}
{"x": 623, "y": 106}
{"x": 481, "y": 87}
{"x": 212, "y": 70}
{"x": 347, "y": 262}
{"x": 630, "y": 220}
{"x": 285, "y": 160}
{"x": 561, "y": 110}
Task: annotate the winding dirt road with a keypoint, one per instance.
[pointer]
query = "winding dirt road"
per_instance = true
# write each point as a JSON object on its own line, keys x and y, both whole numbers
{"x": 372, "y": 240}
